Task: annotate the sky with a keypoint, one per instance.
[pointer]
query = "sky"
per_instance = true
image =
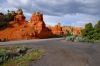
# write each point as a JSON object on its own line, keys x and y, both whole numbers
{"x": 66, "y": 12}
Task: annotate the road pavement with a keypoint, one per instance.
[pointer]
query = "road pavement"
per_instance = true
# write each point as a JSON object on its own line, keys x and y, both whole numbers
{"x": 59, "y": 52}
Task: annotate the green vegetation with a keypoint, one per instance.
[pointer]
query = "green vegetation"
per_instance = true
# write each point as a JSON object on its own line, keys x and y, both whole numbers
{"x": 18, "y": 56}
{"x": 70, "y": 36}
{"x": 89, "y": 34}
{"x": 69, "y": 33}
{"x": 6, "y": 18}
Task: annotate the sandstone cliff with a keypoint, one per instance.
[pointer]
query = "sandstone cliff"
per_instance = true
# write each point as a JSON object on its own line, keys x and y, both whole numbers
{"x": 38, "y": 25}
{"x": 57, "y": 29}
{"x": 36, "y": 28}
{"x": 19, "y": 18}
{"x": 74, "y": 30}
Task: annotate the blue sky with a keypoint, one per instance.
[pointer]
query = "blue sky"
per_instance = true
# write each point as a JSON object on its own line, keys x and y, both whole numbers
{"x": 67, "y": 12}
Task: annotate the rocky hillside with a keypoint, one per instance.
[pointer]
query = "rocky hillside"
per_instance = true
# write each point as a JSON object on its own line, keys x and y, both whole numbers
{"x": 19, "y": 28}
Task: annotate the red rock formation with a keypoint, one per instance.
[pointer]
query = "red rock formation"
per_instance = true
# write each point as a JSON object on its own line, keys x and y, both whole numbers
{"x": 57, "y": 30}
{"x": 19, "y": 18}
{"x": 74, "y": 30}
{"x": 66, "y": 29}
{"x": 38, "y": 25}
{"x": 37, "y": 22}
{"x": 35, "y": 28}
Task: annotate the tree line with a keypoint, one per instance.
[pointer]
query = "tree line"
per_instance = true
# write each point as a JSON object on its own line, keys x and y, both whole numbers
{"x": 6, "y": 18}
{"x": 91, "y": 32}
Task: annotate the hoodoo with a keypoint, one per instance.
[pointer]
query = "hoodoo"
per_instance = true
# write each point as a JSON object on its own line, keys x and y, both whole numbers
{"x": 39, "y": 26}
{"x": 19, "y": 18}
{"x": 19, "y": 29}
{"x": 57, "y": 29}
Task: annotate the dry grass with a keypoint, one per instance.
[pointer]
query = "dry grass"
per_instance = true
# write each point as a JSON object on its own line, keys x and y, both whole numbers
{"x": 21, "y": 60}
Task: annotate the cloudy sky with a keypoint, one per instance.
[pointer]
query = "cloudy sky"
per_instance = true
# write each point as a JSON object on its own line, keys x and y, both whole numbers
{"x": 67, "y": 12}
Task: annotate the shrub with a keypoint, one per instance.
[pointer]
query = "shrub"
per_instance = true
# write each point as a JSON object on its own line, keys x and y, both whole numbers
{"x": 81, "y": 39}
{"x": 10, "y": 53}
{"x": 3, "y": 55}
{"x": 70, "y": 38}
{"x": 18, "y": 56}
{"x": 22, "y": 50}
{"x": 31, "y": 55}
{"x": 78, "y": 39}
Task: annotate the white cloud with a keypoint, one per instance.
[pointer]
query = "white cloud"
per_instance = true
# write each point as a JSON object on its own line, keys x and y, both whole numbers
{"x": 51, "y": 20}
{"x": 71, "y": 20}
{"x": 68, "y": 12}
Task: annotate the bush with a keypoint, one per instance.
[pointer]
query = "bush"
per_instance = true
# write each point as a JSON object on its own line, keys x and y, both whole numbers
{"x": 18, "y": 56}
{"x": 78, "y": 39}
{"x": 3, "y": 55}
{"x": 31, "y": 55}
{"x": 10, "y": 53}
{"x": 70, "y": 38}
{"x": 81, "y": 39}
{"x": 22, "y": 50}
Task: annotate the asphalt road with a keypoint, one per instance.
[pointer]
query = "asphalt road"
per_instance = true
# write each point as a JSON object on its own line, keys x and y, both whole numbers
{"x": 59, "y": 52}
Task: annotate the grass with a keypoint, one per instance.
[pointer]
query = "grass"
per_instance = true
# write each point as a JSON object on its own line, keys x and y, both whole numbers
{"x": 23, "y": 60}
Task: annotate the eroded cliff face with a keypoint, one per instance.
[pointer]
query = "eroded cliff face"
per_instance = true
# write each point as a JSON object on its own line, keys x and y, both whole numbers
{"x": 20, "y": 29}
{"x": 38, "y": 25}
{"x": 19, "y": 18}
{"x": 57, "y": 30}
{"x": 36, "y": 22}
{"x": 35, "y": 28}
{"x": 14, "y": 30}
{"x": 74, "y": 30}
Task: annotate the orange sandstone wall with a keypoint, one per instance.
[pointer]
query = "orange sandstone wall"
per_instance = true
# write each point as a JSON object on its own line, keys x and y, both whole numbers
{"x": 75, "y": 30}
{"x": 57, "y": 29}
{"x": 36, "y": 28}
{"x": 38, "y": 25}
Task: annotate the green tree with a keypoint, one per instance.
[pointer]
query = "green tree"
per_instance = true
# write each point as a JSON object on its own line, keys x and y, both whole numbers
{"x": 88, "y": 31}
{"x": 97, "y": 31}
{"x": 6, "y": 18}
{"x": 9, "y": 17}
{"x": 89, "y": 26}
{"x": 97, "y": 26}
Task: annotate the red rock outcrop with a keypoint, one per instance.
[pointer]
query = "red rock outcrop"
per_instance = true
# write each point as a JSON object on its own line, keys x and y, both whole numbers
{"x": 57, "y": 29}
{"x": 66, "y": 29}
{"x": 37, "y": 22}
{"x": 35, "y": 28}
{"x": 74, "y": 30}
{"x": 19, "y": 18}
{"x": 38, "y": 25}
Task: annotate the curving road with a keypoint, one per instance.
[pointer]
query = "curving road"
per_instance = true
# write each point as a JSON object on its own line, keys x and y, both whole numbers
{"x": 59, "y": 52}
